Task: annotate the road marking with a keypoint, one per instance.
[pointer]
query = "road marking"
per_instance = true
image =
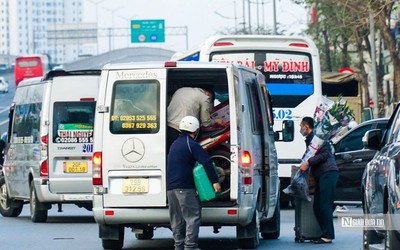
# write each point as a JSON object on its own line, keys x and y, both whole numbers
{"x": 3, "y": 122}
{"x": 4, "y": 110}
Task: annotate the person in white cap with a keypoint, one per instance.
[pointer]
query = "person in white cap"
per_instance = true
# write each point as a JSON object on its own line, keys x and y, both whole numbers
{"x": 183, "y": 201}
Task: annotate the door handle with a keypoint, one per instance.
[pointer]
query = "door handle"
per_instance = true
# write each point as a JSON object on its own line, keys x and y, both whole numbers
{"x": 357, "y": 160}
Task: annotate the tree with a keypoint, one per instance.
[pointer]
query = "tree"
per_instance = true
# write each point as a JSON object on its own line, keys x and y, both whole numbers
{"x": 344, "y": 24}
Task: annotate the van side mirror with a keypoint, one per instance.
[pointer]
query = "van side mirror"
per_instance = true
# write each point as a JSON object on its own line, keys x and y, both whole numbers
{"x": 287, "y": 132}
{"x": 372, "y": 139}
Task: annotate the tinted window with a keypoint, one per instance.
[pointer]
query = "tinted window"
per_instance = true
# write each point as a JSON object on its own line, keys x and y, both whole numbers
{"x": 73, "y": 122}
{"x": 255, "y": 107}
{"x": 394, "y": 129}
{"x": 26, "y": 63}
{"x": 27, "y": 123}
{"x": 353, "y": 140}
{"x": 135, "y": 107}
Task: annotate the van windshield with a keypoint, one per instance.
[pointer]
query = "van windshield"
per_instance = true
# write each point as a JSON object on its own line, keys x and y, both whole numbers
{"x": 73, "y": 122}
{"x": 135, "y": 107}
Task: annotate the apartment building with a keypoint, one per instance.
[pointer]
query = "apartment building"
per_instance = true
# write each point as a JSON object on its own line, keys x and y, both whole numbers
{"x": 24, "y": 25}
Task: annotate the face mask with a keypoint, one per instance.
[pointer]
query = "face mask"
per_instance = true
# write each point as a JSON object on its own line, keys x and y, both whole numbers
{"x": 303, "y": 133}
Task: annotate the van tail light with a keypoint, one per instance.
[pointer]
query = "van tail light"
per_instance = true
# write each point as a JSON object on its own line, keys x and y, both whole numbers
{"x": 97, "y": 168}
{"x": 301, "y": 45}
{"x": 220, "y": 44}
{"x": 170, "y": 64}
{"x": 247, "y": 171}
{"x": 44, "y": 168}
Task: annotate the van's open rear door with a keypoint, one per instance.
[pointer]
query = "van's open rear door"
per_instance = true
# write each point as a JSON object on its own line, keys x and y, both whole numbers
{"x": 134, "y": 139}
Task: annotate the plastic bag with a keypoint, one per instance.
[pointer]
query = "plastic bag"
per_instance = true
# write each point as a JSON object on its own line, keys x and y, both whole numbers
{"x": 298, "y": 187}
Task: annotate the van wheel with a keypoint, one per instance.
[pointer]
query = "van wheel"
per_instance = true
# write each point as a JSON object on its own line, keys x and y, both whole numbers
{"x": 37, "y": 215}
{"x": 148, "y": 234}
{"x": 8, "y": 207}
{"x": 249, "y": 236}
{"x": 222, "y": 162}
{"x": 115, "y": 244}
{"x": 273, "y": 226}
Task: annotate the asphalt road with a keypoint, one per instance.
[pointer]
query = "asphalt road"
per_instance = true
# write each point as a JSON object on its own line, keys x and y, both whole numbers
{"x": 75, "y": 228}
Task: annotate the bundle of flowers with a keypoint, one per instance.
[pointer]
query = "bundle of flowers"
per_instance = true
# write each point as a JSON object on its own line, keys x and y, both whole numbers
{"x": 330, "y": 117}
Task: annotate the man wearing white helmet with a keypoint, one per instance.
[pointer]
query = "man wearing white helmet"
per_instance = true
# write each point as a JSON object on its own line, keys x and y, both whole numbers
{"x": 184, "y": 204}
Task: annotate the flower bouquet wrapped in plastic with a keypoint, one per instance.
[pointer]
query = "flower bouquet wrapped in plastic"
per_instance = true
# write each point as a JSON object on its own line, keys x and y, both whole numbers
{"x": 330, "y": 117}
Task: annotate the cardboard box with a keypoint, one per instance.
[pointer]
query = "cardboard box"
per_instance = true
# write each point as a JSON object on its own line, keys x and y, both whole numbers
{"x": 221, "y": 111}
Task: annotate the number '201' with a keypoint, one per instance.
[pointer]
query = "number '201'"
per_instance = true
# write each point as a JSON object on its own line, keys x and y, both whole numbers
{"x": 87, "y": 148}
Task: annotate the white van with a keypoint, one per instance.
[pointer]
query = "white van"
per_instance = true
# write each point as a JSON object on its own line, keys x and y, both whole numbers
{"x": 130, "y": 141}
{"x": 50, "y": 144}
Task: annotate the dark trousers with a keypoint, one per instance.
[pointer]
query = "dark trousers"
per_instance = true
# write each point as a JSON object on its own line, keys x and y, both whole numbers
{"x": 185, "y": 217}
{"x": 323, "y": 202}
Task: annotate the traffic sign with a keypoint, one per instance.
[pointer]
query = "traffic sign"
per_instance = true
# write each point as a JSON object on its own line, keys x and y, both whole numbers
{"x": 147, "y": 31}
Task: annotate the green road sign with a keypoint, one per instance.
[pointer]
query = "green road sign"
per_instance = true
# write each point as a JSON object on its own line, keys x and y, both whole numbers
{"x": 147, "y": 31}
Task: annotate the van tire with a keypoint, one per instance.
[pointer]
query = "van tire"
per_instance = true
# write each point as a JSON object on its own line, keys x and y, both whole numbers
{"x": 249, "y": 235}
{"x": 115, "y": 244}
{"x": 273, "y": 226}
{"x": 221, "y": 157}
{"x": 8, "y": 207}
{"x": 37, "y": 214}
{"x": 148, "y": 234}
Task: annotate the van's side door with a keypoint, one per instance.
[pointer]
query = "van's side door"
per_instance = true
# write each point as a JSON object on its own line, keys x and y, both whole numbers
{"x": 270, "y": 168}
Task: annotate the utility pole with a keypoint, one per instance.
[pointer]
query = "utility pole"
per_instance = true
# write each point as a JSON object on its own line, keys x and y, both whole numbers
{"x": 249, "y": 10}
{"x": 97, "y": 20}
{"x": 274, "y": 15}
{"x": 373, "y": 63}
{"x": 244, "y": 17}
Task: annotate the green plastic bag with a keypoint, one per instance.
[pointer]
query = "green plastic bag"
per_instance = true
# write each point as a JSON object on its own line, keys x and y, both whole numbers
{"x": 204, "y": 186}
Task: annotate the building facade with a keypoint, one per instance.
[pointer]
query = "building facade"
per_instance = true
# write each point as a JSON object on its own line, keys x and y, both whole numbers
{"x": 24, "y": 25}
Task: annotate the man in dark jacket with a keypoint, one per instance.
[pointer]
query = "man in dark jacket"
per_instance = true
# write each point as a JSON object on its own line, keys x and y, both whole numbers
{"x": 325, "y": 171}
{"x": 184, "y": 204}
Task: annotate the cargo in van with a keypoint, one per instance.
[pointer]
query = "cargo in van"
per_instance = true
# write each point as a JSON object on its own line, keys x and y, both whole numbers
{"x": 130, "y": 150}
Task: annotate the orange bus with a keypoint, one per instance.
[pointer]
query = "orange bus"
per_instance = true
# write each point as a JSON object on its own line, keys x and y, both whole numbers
{"x": 30, "y": 66}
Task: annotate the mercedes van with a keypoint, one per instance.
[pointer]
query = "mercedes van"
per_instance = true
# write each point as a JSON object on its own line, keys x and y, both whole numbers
{"x": 50, "y": 144}
{"x": 130, "y": 150}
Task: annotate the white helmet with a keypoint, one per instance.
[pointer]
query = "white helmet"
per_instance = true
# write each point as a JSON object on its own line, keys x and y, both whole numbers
{"x": 189, "y": 123}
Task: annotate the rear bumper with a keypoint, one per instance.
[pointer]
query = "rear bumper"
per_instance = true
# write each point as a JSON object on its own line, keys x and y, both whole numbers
{"x": 45, "y": 195}
{"x": 160, "y": 216}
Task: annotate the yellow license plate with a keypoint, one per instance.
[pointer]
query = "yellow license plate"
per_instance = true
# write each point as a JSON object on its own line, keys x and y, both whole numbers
{"x": 135, "y": 185}
{"x": 75, "y": 167}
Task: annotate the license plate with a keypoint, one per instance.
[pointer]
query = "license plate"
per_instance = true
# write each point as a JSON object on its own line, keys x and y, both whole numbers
{"x": 75, "y": 167}
{"x": 135, "y": 185}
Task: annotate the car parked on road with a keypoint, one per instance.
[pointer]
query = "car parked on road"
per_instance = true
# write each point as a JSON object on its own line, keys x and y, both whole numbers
{"x": 351, "y": 158}
{"x": 380, "y": 186}
{"x": 3, "y": 85}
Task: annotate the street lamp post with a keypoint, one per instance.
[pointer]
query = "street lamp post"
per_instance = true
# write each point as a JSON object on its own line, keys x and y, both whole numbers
{"x": 112, "y": 24}
{"x": 97, "y": 21}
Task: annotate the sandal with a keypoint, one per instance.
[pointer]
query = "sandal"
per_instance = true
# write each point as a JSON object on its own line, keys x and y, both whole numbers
{"x": 321, "y": 241}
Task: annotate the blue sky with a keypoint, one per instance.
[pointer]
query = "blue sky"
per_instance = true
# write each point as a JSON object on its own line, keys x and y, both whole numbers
{"x": 202, "y": 17}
